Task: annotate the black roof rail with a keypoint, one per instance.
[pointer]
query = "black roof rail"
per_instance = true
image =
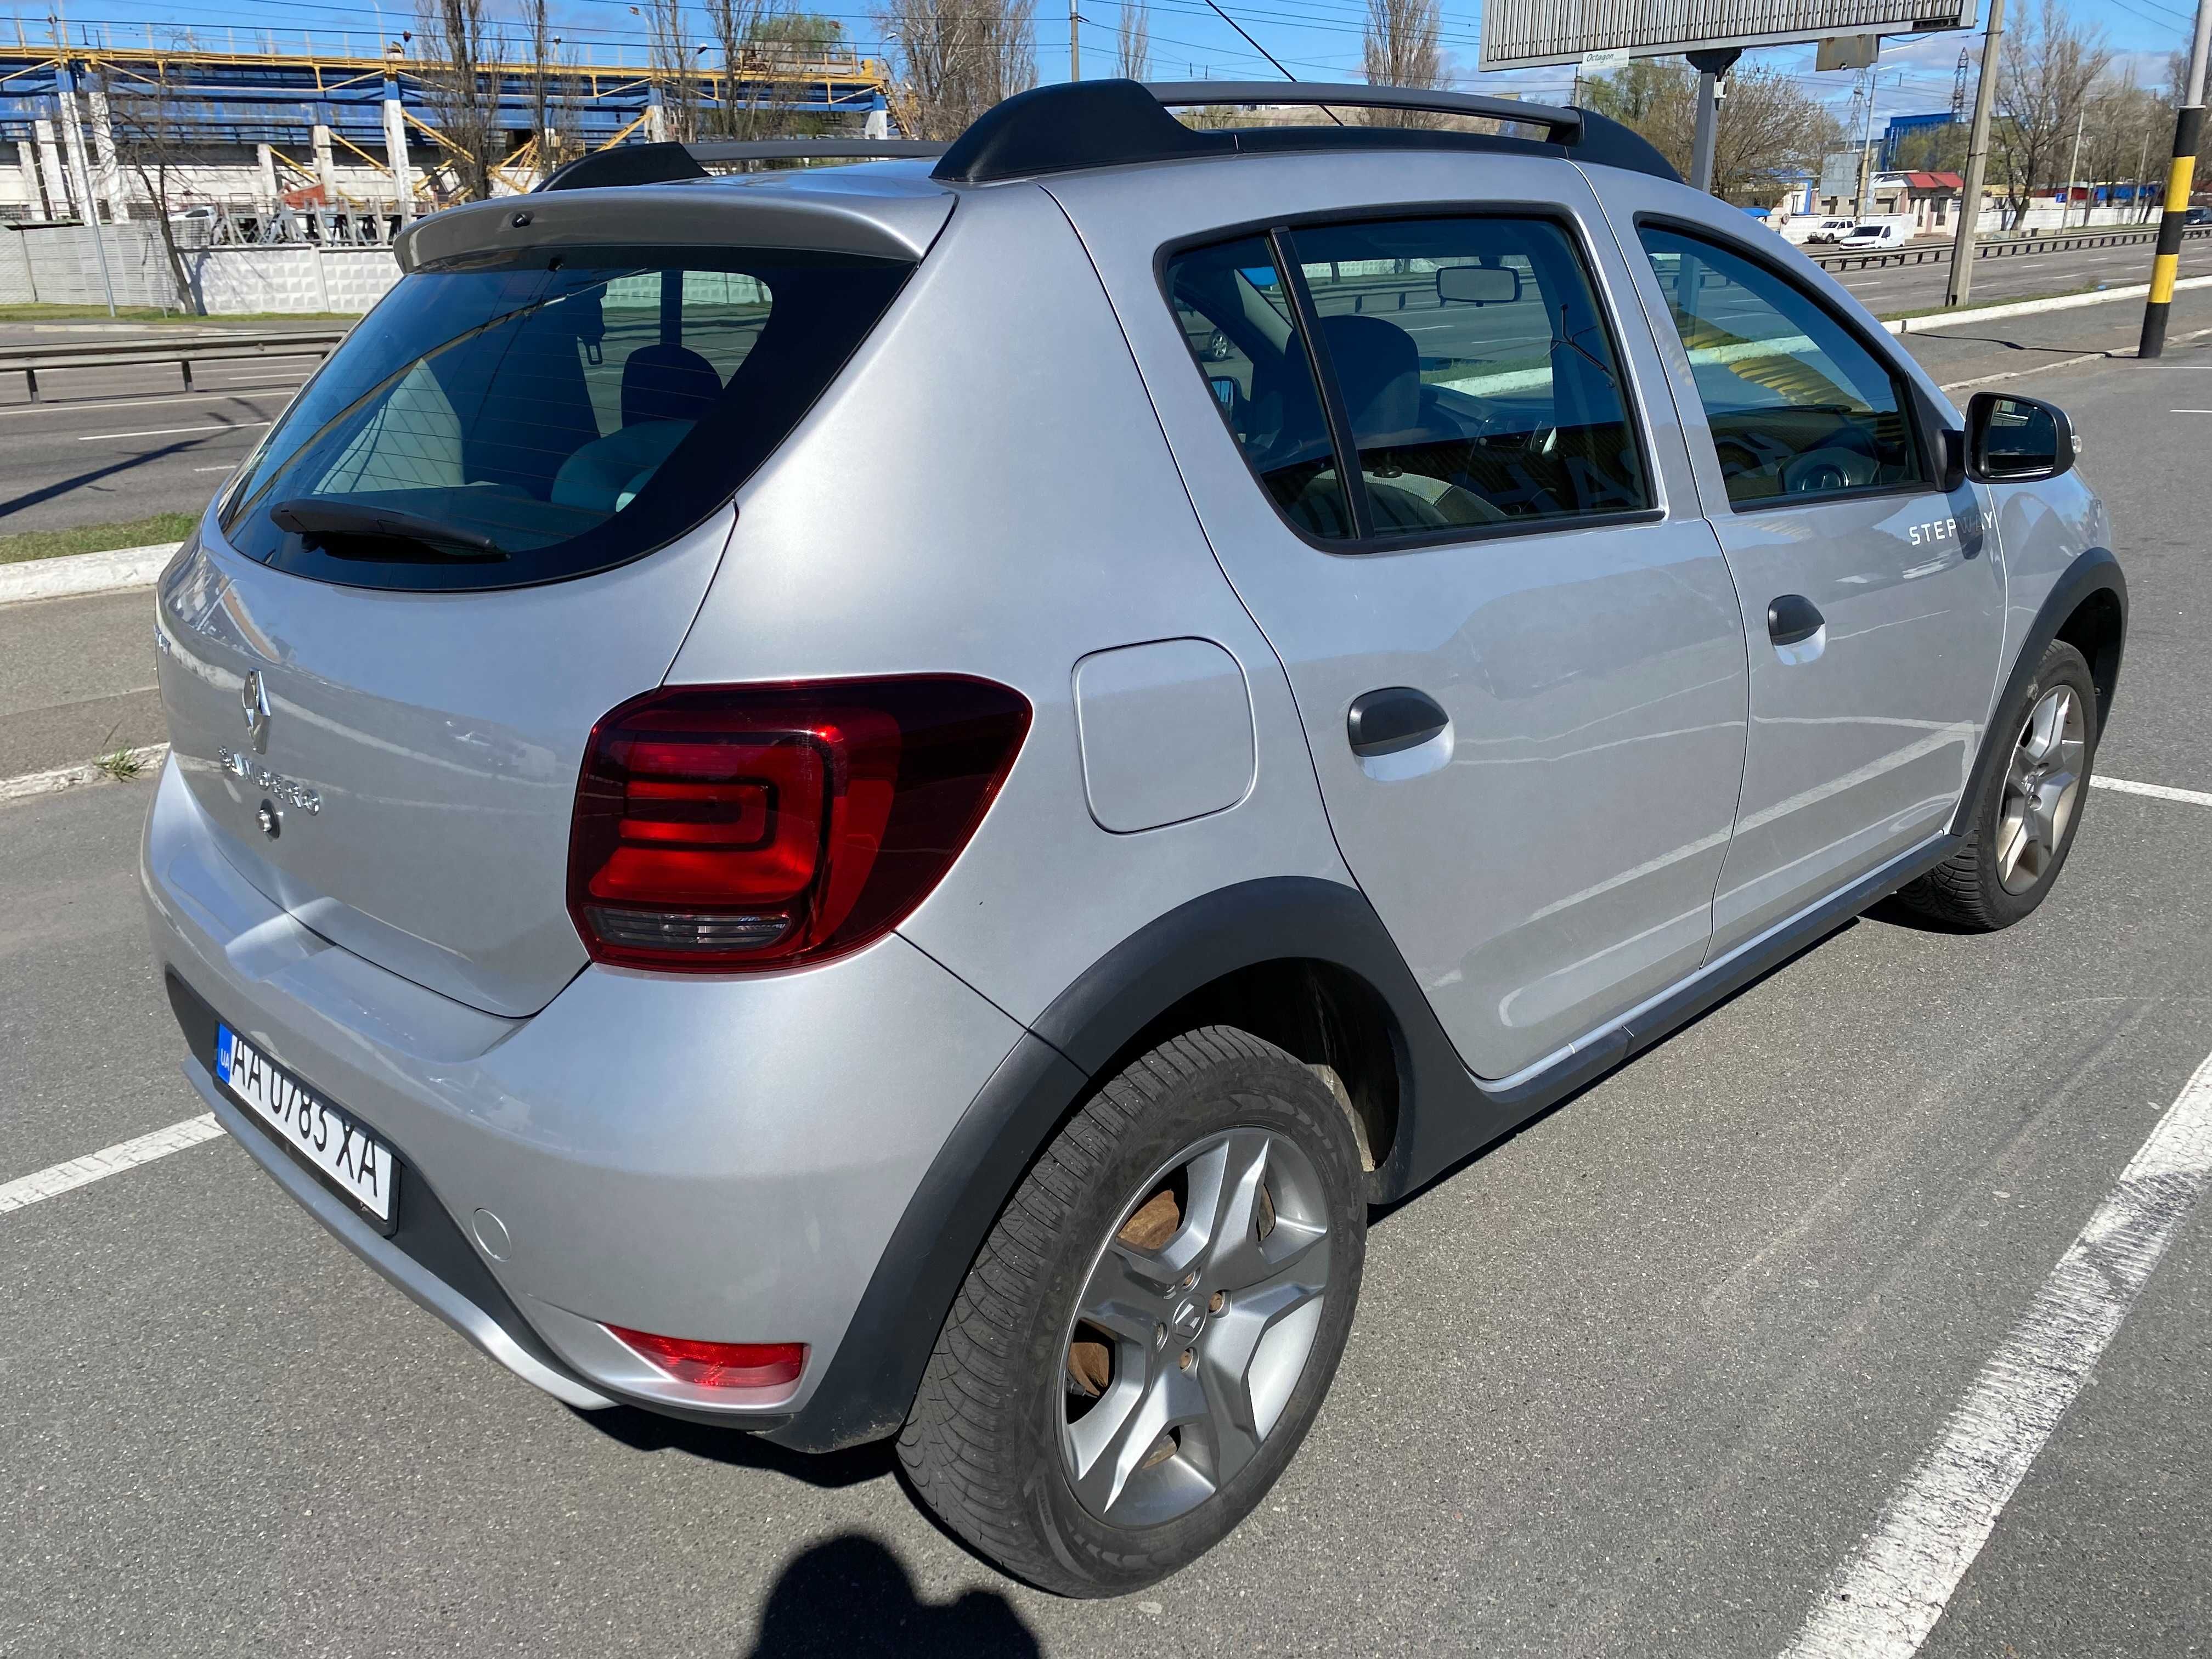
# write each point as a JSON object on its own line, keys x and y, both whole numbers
{"x": 1101, "y": 124}
{"x": 664, "y": 163}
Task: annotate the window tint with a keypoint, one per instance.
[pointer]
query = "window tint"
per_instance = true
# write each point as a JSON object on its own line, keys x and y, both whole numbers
{"x": 492, "y": 425}
{"x": 1797, "y": 404}
{"x": 1236, "y": 317}
{"x": 1475, "y": 370}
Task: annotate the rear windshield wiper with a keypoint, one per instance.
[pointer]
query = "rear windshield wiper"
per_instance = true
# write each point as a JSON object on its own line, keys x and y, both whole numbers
{"x": 318, "y": 517}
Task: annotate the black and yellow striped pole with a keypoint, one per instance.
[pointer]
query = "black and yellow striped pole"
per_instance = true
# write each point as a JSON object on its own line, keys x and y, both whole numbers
{"x": 2188, "y": 134}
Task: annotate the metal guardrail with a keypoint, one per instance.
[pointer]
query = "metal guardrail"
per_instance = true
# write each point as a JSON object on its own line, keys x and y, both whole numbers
{"x": 30, "y": 362}
{"x": 1940, "y": 254}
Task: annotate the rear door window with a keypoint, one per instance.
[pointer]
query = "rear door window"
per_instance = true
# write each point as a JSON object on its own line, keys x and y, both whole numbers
{"x": 1477, "y": 376}
{"x": 491, "y": 425}
{"x": 1475, "y": 384}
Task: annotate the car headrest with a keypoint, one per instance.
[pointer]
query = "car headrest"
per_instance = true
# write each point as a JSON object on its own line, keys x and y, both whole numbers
{"x": 668, "y": 383}
{"x": 1378, "y": 368}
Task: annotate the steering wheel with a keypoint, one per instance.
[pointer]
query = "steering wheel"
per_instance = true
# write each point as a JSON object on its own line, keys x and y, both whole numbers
{"x": 1829, "y": 468}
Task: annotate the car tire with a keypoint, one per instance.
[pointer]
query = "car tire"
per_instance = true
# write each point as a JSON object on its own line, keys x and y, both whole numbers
{"x": 2030, "y": 809}
{"x": 1184, "y": 1257}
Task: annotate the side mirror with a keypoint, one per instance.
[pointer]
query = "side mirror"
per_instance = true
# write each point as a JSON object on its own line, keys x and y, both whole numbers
{"x": 1479, "y": 285}
{"x": 2015, "y": 440}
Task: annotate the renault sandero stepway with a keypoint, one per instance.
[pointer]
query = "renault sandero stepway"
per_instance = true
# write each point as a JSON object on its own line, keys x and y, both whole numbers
{"x": 880, "y": 801}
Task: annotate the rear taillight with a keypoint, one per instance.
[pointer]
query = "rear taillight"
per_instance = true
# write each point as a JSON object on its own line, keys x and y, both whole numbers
{"x": 725, "y": 828}
{"x": 720, "y": 1364}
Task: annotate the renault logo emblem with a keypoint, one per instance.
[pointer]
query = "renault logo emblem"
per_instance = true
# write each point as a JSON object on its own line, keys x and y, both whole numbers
{"x": 253, "y": 696}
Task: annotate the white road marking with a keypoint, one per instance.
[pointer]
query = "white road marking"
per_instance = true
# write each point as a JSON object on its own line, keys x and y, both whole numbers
{"x": 149, "y": 761}
{"x": 225, "y": 467}
{"x": 1888, "y": 1594}
{"x": 71, "y": 405}
{"x": 109, "y": 1160}
{"x": 172, "y": 431}
{"x": 2156, "y": 791}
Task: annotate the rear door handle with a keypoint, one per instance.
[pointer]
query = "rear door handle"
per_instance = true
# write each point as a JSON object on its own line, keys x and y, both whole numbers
{"x": 1793, "y": 619}
{"x": 1394, "y": 717}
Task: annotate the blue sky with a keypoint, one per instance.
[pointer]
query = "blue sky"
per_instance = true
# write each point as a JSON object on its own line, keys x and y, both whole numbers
{"x": 1318, "y": 39}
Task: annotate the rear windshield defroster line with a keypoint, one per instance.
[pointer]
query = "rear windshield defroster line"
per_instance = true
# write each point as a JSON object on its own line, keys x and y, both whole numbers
{"x": 549, "y": 415}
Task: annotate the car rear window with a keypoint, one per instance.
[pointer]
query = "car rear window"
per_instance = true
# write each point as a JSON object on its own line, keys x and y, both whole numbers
{"x": 489, "y": 425}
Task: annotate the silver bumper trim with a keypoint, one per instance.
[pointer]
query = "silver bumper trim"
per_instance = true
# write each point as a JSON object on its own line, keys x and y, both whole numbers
{"x": 426, "y": 1288}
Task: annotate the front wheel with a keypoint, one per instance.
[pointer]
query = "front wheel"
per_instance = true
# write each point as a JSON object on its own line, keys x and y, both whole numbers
{"x": 2024, "y": 825}
{"x": 1148, "y": 1332}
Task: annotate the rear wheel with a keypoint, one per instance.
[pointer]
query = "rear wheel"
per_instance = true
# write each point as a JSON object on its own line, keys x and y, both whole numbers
{"x": 1148, "y": 1332}
{"x": 2024, "y": 825}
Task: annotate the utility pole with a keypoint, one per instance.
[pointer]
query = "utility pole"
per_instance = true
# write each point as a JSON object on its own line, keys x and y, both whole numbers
{"x": 2073, "y": 168}
{"x": 1074, "y": 42}
{"x": 73, "y": 136}
{"x": 2188, "y": 133}
{"x": 1711, "y": 66}
{"x": 1866, "y": 147}
{"x": 1978, "y": 162}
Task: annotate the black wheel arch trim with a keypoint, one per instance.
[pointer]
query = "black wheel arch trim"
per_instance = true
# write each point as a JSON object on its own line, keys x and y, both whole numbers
{"x": 2094, "y": 571}
{"x": 1446, "y": 1115}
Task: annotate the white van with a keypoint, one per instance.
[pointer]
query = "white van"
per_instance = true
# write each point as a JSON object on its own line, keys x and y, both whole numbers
{"x": 1876, "y": 233}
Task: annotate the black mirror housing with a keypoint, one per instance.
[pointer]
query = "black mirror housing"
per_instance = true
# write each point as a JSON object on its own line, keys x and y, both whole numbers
{"x": 2010, "y": 439}
{"x": 1951, "y": 460}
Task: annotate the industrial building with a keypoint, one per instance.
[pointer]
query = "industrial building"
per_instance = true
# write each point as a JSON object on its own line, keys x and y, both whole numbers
{"x": 273, "y": 145}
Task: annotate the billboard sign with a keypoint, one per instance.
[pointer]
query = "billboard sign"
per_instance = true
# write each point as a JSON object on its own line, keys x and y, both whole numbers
{"x": 1525, "y": 33}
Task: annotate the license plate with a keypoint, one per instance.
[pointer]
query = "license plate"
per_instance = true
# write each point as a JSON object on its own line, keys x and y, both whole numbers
{"x": 331, "y": 1140}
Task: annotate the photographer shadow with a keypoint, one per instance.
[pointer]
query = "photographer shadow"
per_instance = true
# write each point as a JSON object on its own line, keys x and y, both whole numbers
{"x": 853, "y": 1598}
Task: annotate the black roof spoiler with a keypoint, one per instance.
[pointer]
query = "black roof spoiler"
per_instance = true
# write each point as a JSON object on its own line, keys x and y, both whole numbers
{"x": 1100, "y": 123}
{"x": 666, "y": 163}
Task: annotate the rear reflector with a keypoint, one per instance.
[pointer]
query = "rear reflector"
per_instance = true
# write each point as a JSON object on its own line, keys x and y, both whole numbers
{"x": 720, "y": 1365}
{"x": 725, "y": 828}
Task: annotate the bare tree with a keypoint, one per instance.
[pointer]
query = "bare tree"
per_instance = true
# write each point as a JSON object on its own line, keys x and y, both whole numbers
{"x": 2043, "y": 83}
{"x": 553, "y": 118}
{"x": 1400, "y": 49}
{"x": 744, "y": 108}
{"x": 142, "y": 114}
{"x": 1132, "y": 41}
{"x": 459, "y": 65}
{"x": 955, "y": 58}
{"x": 1767, "y": 129}
{"x": 674, "y": 56}
{"x": 2126, "y": 136}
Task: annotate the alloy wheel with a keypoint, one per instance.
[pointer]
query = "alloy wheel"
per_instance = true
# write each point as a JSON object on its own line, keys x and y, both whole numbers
{"x": 2042, "y": 781}
{"x": 1193, "y": 1326}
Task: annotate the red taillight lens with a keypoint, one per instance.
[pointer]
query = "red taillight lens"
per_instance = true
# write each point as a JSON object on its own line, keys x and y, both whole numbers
{"x": 720, "y": 1365}
{"x": 724, "y": 828}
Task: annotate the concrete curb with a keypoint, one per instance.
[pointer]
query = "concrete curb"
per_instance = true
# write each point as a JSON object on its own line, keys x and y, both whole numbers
{"x": 148, "y": 761}
{"x": 2031, "y": 308}
{"x": 83, "y": 573}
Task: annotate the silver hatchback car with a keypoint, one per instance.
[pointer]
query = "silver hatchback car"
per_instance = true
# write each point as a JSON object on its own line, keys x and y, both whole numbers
{"x": 881, "y": 800}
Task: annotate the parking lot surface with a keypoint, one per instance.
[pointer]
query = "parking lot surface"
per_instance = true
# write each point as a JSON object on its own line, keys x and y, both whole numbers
{"x": 1639, "y": 1380}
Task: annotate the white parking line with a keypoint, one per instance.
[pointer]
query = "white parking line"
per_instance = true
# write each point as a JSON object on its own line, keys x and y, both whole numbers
{"x": 2156, "y": 791}
{"x": 1888, "y": 1594}
{"x": 172, "y": 431}
{"x": 109, "y": 1160}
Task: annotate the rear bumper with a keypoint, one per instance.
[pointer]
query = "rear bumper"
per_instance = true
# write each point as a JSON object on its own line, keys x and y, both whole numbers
{"x": 720, "y": 1159}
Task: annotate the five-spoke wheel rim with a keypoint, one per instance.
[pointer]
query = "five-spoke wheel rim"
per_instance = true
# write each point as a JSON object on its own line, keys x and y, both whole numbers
{"x": 2042, "y": 783}
{"x": 1193, "y": 1327}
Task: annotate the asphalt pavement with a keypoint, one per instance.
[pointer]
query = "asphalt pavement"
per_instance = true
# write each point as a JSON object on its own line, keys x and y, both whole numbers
{"x": 1634, "y": 1382}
